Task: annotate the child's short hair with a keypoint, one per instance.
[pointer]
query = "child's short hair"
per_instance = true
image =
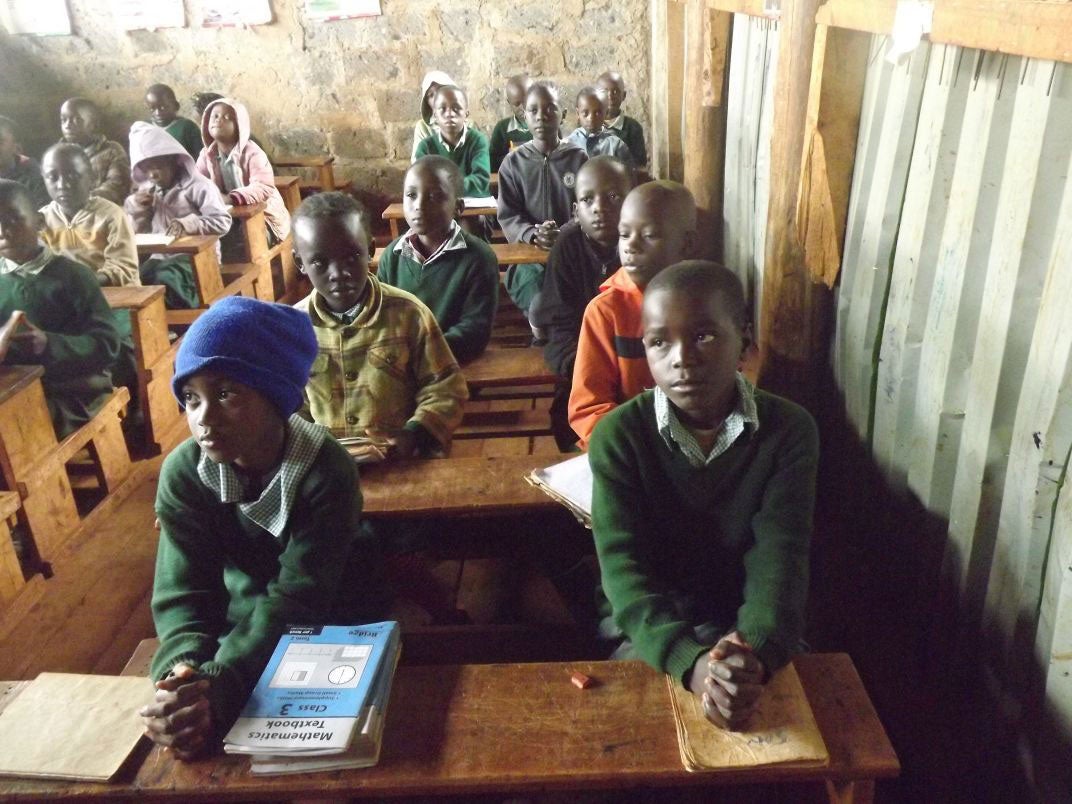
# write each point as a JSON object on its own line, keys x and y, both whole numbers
{"x": 163, "y": 91}
{"x": 71, "y": 151}
{"x": 452, "y": 88}
{"x": 610, "y": 163}
{"x": 588, "y": 92}
{"x": 201, "y": 100}
{"x": 85, "y": 104}
{"x": 440, "y": 164}
{"x": 696, "y": 277}
{"x": 550, "y": 87}
{"x": 15, "y": 193}
{"x": 334, "y": 205}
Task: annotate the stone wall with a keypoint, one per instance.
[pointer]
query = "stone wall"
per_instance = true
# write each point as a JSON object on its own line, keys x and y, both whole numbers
{"x": 350, "y": 88}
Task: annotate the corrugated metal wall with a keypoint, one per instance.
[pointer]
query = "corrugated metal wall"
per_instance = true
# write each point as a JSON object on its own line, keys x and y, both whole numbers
{"x": 954, "y": 336}
{"x": 749, "y": 112}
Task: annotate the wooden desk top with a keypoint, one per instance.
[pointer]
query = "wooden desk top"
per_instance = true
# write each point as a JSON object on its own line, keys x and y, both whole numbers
{"x": 303, "y": 161}
{"x": 15, "y": 378}
{"x": 187, "y": 244}
{"x": 505, "y": 253}
{"x": 394, "y": 212}
{"x": 10, "y": 502}
{"x": 132, "y": 298}
{"x": 246, "y": 210}
{"x": 454, "y": 487}
{"x": 507, "y": 367}
{"x": 516, "y": 728}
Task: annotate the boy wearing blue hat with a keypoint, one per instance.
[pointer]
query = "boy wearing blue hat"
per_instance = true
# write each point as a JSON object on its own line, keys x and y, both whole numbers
{"x": 259, "y": 518}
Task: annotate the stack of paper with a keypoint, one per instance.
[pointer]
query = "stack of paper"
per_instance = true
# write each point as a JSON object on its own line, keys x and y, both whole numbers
{"x": 152, "y": 239}
{"x": 71, "y": 726}
{"x": 569, "y": 483}
{"x": 473, "y": 202}
{"x": 783, "y": 729}
{"x": 321, "y": 701}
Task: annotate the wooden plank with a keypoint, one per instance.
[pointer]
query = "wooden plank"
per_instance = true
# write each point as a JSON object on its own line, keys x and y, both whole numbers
{"x": 839, "y": 68}
{"x": 952, "y": 316}
{"x": 508, "y": 367}
{"x": 11, "y": 579}
{"x": 873, "y": 16}
{"x": 1014, "y": 276}
{"x": 393, "y": 212}
{"x": 453, "y": 487}
{"x": 1037, "y": 459}
{"x": 1054, "y": 643}
{"x": 923, "y": 214}
{"x": 314, "y": 161}
{"x": 753, "y": 8}
{"x": 457, "y": 729}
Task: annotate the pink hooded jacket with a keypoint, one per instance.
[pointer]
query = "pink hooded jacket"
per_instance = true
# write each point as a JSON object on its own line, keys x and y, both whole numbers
{"x": 254, "y": 165}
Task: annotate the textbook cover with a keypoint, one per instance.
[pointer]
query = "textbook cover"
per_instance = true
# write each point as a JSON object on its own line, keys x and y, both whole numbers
{"x": 317, "y": 690}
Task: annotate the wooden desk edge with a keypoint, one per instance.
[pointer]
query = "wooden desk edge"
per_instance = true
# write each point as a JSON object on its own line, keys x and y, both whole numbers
{"x": 15, "y": 378}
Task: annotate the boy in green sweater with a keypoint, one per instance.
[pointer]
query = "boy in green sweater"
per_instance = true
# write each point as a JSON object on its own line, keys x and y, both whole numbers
{"x": 702, "y": 502}
{"x": 451, "y": 271}
{"x": 67, "y": 328}
{"x": 455, "y": 139}
{"x": 611, "y": 89}
{"x": 259, "y": 518}
{"x": 164, "y": 112}
{"x": 511, "y": 131}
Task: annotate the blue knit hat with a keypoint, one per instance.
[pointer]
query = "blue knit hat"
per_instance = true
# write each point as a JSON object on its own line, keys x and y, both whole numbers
{"x": 269, "y": 347}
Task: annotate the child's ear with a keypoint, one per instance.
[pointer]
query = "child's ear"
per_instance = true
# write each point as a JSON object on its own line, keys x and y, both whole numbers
{"x": 459, "y": 207}
{"x": 690, "y": 244}
{"x": 746, "y": 339}
{"x": 573, "y": 209}
{"x": 371, "y": 248}
{"x": 298, "y": 262}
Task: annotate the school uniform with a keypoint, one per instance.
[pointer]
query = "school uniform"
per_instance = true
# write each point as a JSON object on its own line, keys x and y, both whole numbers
{"x": 63, "y": 298}
{"x": 470, "y": 154}
{"x": 188, "y": 133}
{"x": 112, "y": 166}
{"x": 459, "y": 283}
{"x": 192, "y": 200}
{"x": 384, "y": 365}
{"x": 632, "y": 134}
{"x": 533, "y": 188}
{"x": 27, "y": 172}
{"x": 611, "y": 366}
{"x": 505, "y": 137}
{"x": 98, "y": 235}
{"x": 694, "y": 545}
{"x": 602, "y": 143}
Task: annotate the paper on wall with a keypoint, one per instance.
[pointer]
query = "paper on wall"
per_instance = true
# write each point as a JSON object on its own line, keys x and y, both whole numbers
{"x": 328, "y": 10}
{"x": 36, "y": 17}
{"x": 148, "y": 15}
{"x": 222, "y": 13}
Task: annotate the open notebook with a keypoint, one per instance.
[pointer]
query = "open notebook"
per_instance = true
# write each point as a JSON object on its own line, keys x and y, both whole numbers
{"x": 569, "y": 483}
{"x": 72, "y": 726}
{"x": 783, "y": 729}
{"x": 474, "y": 202}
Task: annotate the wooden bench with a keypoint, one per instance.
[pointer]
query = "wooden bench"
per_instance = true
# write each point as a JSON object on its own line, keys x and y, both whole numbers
{"x": 11, "y": 577}
{"x": 33, "y": 463}
{"x": 503, "y": 424}
{"x": 277, "y": 266}
{"x": 498, "y": 367}
{"x": 154, "y": 359}
{"x": 453, "y": 487}
{"x": 393, "y": 214}
{"x": 325, "y": 172}
{"x": 290, "y": 188}
{"x": 211, "y": 280}
{"x": 458, "y": 730}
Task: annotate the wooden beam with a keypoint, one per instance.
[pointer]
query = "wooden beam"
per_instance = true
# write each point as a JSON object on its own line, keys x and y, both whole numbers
{"x": 667, "y": 87}
{"x": 795, "y": 313}
{"x": 839, "y": 68}
{"x": 753, "y": 8}
{"x": 1039, "y": 29}
{"x": 707, "y": 35}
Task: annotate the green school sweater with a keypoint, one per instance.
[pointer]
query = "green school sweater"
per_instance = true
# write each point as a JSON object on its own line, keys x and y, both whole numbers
{"x": 461, "y": 287}
{"x": 728, "y": 543}
{"x": 188, "y": 133}
{"x": 471, "y": 157}
{"x": 632, "y": 134}
{"x": 505, "y": 138}
{"x": 65, "y": 300}
{"x": 225, "y": 588}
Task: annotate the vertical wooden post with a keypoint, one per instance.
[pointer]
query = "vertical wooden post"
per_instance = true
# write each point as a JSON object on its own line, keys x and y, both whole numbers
{"x": 707, "y": 40}
{"x": 795, "y": 309}
{"x": 667, "y": 80}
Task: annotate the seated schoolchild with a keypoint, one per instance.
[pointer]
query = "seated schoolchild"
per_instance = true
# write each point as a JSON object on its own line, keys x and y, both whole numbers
{"x": 511, "y": 131}
{"x": 453, "y": 272}
{"x": 173, "y": 199}
{"x": 89, "y": 229}
{"x": 18, "y": 167}
{"x": 592, "y": 134}
{"x": 536, "y": 197}
{"x": 455, "y": 139}
{"x": 164, "y": 112}
{"x": 259, "y": 517}
{"x": 656, "y": 228}
{"x": 384, "y": 365}
{"x": 68, "y": 327}
{"x": 702, "y": 503}
{"x": 611, "y": 88}
{"x": 583, "y": 257}
{"x": 237, "y": 166}
{"x": 80, "y": 124}
{"x": 425, "y": 126}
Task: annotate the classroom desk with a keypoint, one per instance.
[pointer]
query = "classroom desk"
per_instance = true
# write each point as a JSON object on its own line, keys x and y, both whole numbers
{"x": 454, "y": 487}
{"x": 505, "y": 254}
{"x": 508, "y": 367}
{"x": 289, "y": 188}
{"x": 324, "y": 167}
{"x": 393, "y": 214}
{"x": 459, "y": 730}
{"x": 271, "y": 284}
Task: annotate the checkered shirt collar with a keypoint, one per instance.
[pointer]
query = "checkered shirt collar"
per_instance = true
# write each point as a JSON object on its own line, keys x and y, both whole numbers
{"x": 677, "y": 435}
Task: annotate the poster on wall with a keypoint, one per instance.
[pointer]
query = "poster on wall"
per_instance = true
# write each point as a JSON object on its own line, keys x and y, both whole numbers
{"x": 36, "y": 17}
{"x": 148, "y": 15}
{"x": 223, "y": 13}
{"x": 328, "y": 10}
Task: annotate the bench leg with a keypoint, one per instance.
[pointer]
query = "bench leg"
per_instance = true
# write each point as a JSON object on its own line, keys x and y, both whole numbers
{"x": 859, "y": 791}
{"x": 11, "y": 580}
{"x": 111, "y": 461}
{"x": 49, "y": 510}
